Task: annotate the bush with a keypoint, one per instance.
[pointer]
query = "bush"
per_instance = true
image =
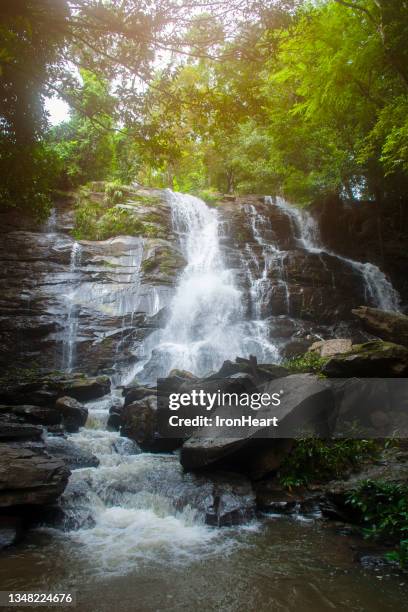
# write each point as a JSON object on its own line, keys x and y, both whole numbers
{"x": 93, "y": 221}
{"x": 384, "y": 509}
{"x": 313, "y": 459}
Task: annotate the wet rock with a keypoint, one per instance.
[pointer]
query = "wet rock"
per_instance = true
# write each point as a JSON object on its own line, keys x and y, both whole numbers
{"x": 227, "y": 499}
{"x": 30, "y": 476}
{"x": 11, "y": 530}
{"x": 77, "y": 502}
{"x": 136, "y": 393}
{"x": 260, "y": 372}
{"x": 390, "y": 326}
{"x": 85, "y": 389}
{"x": 182, "y": 374}
{"x": 74, "y": 414}
{"x": 140, "y": 423}
{"x": 162, "y": 261}
{"x": 272, "y": 497}
{"x": 25, "y": 387}
{"x": 12, "y": 430}
{"x": 35, "y": 414}
{"x": 328, "y": 348}
{"x": 371, "y": 359}
{"x": 73, "y": 455}
{"x": 307, "y": 404}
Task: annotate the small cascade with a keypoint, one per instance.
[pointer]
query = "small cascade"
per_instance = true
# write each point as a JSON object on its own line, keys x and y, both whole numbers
{"x": 71, "y": 326}
{"x": 127, "y": 511}
{"x": 272, "y": 257}
{"x": 207, "y": 322}
{"x": 378, "y": 288}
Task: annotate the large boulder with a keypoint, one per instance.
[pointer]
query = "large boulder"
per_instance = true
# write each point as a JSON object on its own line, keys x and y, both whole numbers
{"x": 30, "y": 476}
{"x": 307, "y": 403}
{"x": 85, "y": 389}
{"x": 371, "y": 359}
{"x": 391, "y": 326}
{"x": 140, "y": 423}
{"x": 73, "y": 413}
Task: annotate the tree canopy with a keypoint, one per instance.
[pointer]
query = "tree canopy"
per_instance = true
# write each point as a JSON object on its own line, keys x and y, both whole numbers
{"x": 295, "y": 97}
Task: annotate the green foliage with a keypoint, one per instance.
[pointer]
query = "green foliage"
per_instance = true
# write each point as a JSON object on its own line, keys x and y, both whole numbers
{"x": 383, "y": 507}
{"x": 308, "y": 362}
{"x": 313, "y": 459}
{"x": 94, "y": 221}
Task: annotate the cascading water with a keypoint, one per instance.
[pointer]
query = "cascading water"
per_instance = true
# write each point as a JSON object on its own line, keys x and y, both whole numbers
{"x": 71, "y": 326}
{"x": 207, "y": 321}
{"x": 272, "y": 257}
{"x": 128, "y": 509}
{"x": 377, "y": 286}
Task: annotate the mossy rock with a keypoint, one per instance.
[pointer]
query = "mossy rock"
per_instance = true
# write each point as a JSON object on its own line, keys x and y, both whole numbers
{"x": 164, "y": 262}
{"x": 376, "y": 359}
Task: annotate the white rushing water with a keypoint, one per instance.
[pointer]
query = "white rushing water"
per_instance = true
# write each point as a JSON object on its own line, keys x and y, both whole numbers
{"x": 270, "y": 257}
{"x": 378, "y": 288}
{"x": 207, "y": 322}
{"x": 128, "y": 508}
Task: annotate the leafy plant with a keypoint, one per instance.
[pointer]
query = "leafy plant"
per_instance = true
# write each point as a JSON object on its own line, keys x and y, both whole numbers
{"x": 384, "y": 510}
{"x": 309, "y": 362}
{"x": 314, "y": 459}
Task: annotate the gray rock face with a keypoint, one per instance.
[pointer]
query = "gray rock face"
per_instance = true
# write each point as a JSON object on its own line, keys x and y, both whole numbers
{"x": 30, "y": 476}
{"x": 391, "y": 326}
{"x": 74, "y": 414}
{"x": 307, "y": 403}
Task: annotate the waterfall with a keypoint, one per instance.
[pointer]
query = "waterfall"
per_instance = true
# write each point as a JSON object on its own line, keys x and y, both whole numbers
{"x": 378, "y": 288}
{"x": 207, "y": 322}
{"x": 260, "y": 283}
{"x": 71, "y": 326}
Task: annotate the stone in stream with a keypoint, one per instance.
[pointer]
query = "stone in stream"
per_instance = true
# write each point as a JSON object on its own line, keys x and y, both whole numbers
{"x": 73, "y": 455}
{"x": 307, "y": 405}
{"x": 139, "y": 423}
{"x": 390, "y": 326}
{"x": 371, "y": 359}
{"x": 30, "y": 476}
{"x": 74, "y": 414}
{"x": 225, "y": 498}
